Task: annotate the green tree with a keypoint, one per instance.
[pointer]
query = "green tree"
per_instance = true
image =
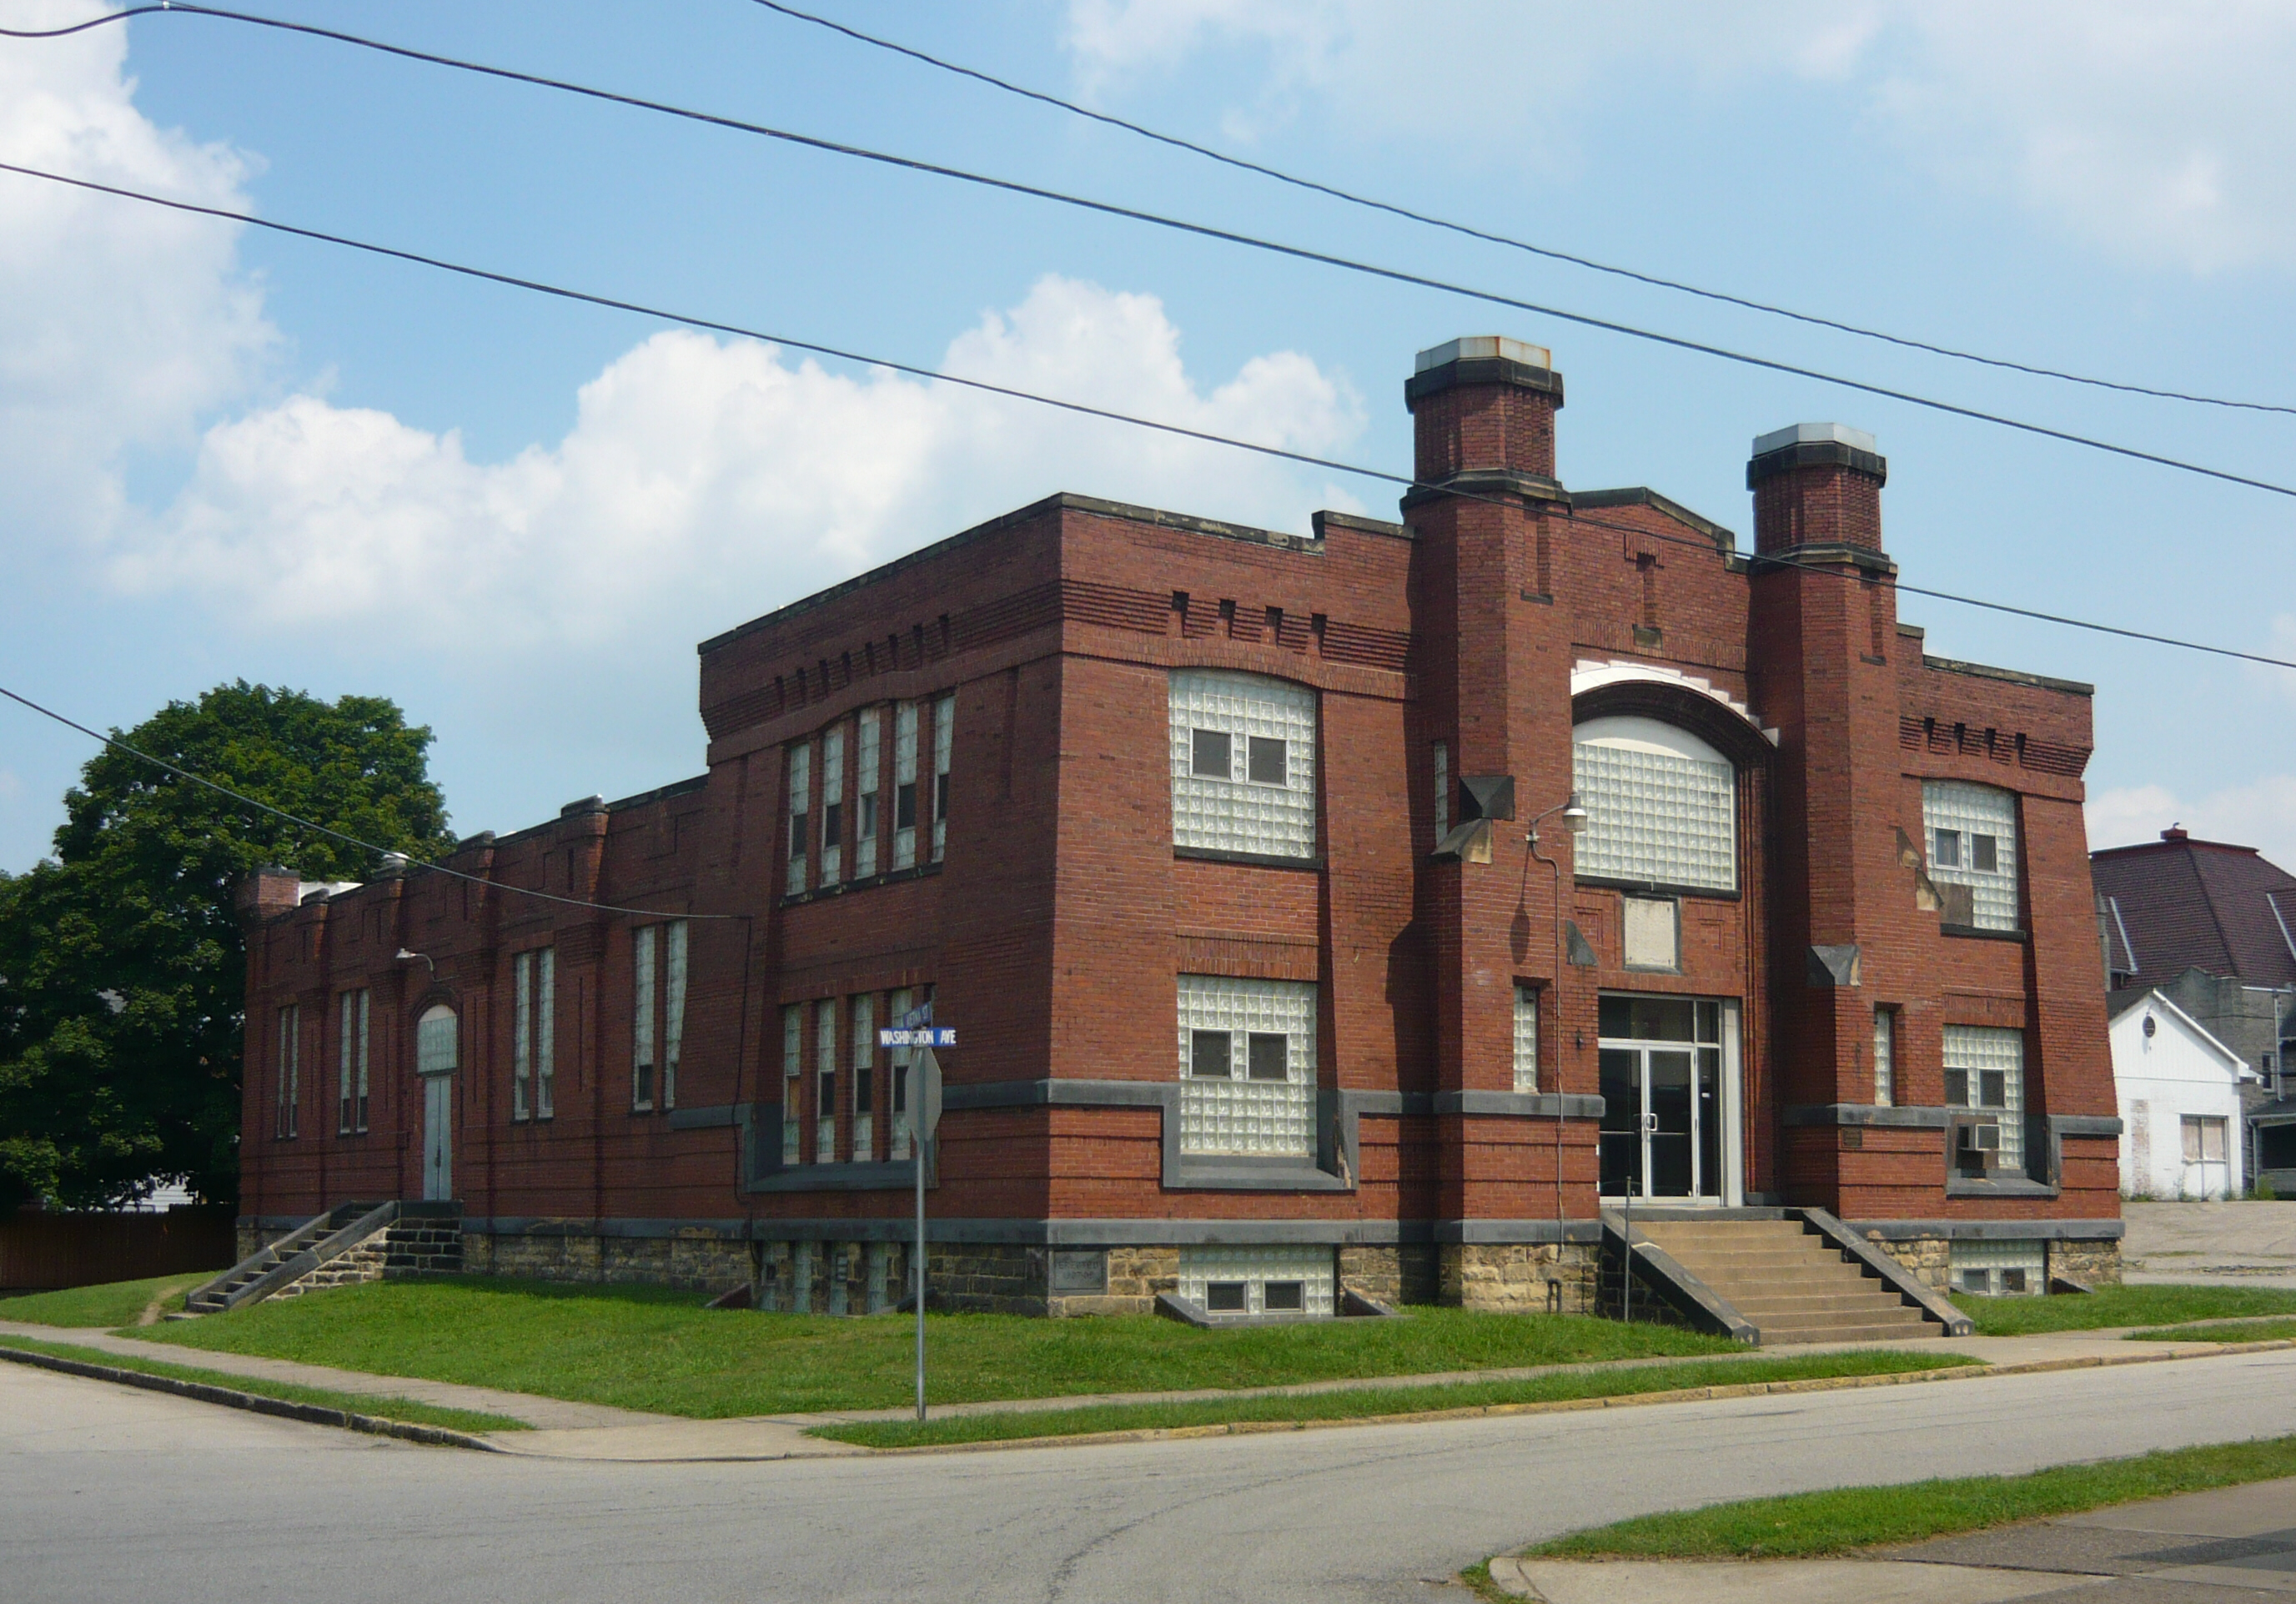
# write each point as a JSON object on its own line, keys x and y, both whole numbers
{"x": 122, "y": 967}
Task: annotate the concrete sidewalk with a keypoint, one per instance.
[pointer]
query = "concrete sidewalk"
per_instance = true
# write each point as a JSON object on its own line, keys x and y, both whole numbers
{"x": 2232, "y": 1543}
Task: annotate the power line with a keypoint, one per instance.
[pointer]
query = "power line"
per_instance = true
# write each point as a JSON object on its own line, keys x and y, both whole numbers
{"x": 1470, "y": 231}
{"x": 1201, "y": 230}
{"x": 368, "y": 846}
{"x": 1081, "y": 408}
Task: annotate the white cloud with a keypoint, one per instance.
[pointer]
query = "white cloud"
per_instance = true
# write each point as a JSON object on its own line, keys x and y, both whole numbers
{"x": 705, "y": 481}
{"x": 2261, "y": 813}
{"x": 120, "y": 325}
{"x": 2160, "y": 133}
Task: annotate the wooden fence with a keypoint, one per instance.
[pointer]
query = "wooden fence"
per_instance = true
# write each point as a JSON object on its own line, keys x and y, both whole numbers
{"x": 43, "y": 1251}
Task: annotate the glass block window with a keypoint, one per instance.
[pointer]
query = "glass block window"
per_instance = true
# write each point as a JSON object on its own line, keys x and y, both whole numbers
{"x": 897, "y": 1137}
{"x": 1885, "y": 1055}
{"x": 435, "y": 1051}
{"x": 905, "y": 785}
{"x": 2011, "y": 1269}
{"x": 285, "y": 1121}
{"x": 801, "y": 795}
{"x": 867, "y": 762}
{"x": 824, "y": 1107}
{"x": 1972, "y": 841}
{"x": 533, "y": 977}
{"x": 864, "y": 1077}
{"x": 351, "y": 1064}
{"x": 1526, "y": 1037}
{"x": 1243, "y": 764}
{"x": 832, "y": 807}
{"x": 1661, "y": 806}
{"x": 1239, "y": 1282}
{"x": 944, "y": 743}
{"x": 642, "y": 942}
{"x": 1442, "y": 791}
{"x": 792, "y": 1068}
{"x": 673, "y": 1006}
{"x": 1985, "y": 1070}
{"x": 1247, "y": 1066}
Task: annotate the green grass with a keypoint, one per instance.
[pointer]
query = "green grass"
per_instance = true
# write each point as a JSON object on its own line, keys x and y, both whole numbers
{"x": 1357, "y": 1403}
{"x": 1809, "y": 1524}
{"x": 113, "y": 1303}
{"x": 653, "y": 1348}
{"x": 2159, "y": 1306}
{"x": 2252, "y": 1330}
{"x": 358, "y": 1403}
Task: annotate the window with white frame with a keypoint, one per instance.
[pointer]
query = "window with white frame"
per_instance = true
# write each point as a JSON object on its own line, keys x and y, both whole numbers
{"x": 657, "y": 1012}
{"x": 1243, "y": 764}
{"x": 832, "y": 806}
{"x": 864, "y": 1009}
{"x": 1526, "y": 1037}
{"x": 1247, "y": 1067}
{"x": 824, "y": 1107}
{"x": 800, "y": 795}
{"x": 1885, "y": 1055}
{"x": 1234, "y": 1282}
{"x": 1661, "y": 806}
{"x": 534, "y": 1034}
{"x": 284, "y": 1123}
{"x": 944, "y": 743}
{"x": 1985, "y": 1072}
{"x": 351, "y": 1064}
{"x": 792, "y": 1071}
{"x": 1972, "y": 841}
{"x": 2205, "y": 1139}
{"x": 905, "y": 785}
{"x": 867, "y": 762}
{"x": 2001, "y": 1269}
{"x": 898, "y": 1143}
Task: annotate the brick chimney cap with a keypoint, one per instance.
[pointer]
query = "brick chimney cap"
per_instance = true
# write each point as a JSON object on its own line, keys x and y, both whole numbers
{"x": 1473, "y": 346}
{"x": 1799, "y": 434}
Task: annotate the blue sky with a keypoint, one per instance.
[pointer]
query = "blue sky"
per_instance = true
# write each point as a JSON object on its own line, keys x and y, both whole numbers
{"x": 228, "y": 455}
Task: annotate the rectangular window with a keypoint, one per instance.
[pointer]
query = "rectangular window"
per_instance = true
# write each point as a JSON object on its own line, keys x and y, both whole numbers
{"x": 832, "y": 807}
{"x": 673, "y": 1006}
{"x": 1885, "y": 1055}
{"x": 1985, "y": 1070}
{"x": 944, "y": 743}
{"x": 1259, "y": 1280}
{"x": 351, "y": 1064}
{"x": 1990, "y": 1269}
{"x": 1655, "y": 817}
{"x": 532, "y": 1001}
{"x": 792, "y": 1070}
{"x": 1972, "y": 835}
{"x": 283, "y": 1125}
{"x": 546, "y": 1033}
{"x": 1526, "y": 1037}
{"x": 1442, "y": 791}
{"x": 1264, "y": 1028}
{"x": 1243, "y": 764}
{"x": 868, "y": 762}
{"x": 864, "y": 1078}
{"x": 2205, "y": 1139}
{"x": 897, "y": 1146}
{"x": 905, "y": 785}
{"x": 824, "y": 1054}
{"x": 801, "y": 799}
{"x": 641, "y": 1016}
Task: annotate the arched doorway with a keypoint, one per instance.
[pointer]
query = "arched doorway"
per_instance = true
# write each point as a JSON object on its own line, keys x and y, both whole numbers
{"x": 436, "y": 1059}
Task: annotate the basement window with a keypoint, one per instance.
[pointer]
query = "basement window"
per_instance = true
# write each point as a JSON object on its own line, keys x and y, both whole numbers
{"x": 2012, "y": 1269}
{"x": 1263, "y": 1279}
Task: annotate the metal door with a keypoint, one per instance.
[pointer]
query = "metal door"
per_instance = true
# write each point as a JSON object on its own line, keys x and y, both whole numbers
{"x": 438, "y": 1138}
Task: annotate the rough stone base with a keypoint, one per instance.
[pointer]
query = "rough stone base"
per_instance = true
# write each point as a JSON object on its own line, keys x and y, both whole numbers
{"x": 1519, "y": 1278}
{"x": 1393, "y": 1275}
{"x": 698, "y": 1261}
{"x": 2093, "y": 1263}
{"x": 1928, "y": 1260}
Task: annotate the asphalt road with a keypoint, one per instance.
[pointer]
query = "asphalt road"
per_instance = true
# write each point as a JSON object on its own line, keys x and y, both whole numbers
{"x": 112, "y": 1494}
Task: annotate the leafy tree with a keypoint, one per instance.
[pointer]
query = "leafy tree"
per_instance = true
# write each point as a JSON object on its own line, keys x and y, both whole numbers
{"x": 122, "y": 967}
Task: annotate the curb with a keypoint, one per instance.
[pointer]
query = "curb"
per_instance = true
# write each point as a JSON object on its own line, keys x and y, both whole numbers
{"x": 310, "y": 1414}
{"x": 1695, "y": 1394}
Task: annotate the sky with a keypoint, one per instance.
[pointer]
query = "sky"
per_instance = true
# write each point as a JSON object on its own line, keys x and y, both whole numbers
{"x": 225, "y": 453}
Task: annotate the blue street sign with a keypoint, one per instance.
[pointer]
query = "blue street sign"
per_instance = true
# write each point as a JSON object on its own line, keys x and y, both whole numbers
{"x": 926, "y": 1036}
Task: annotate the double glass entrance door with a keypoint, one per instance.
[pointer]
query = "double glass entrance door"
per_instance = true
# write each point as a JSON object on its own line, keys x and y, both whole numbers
{"x": 1664, "y": 1104}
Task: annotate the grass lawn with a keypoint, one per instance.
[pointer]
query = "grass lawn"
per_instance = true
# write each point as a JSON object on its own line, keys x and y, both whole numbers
{"x": 1357, "y": 1402}
{"x": 652, "y": 1348}
{"x": 114, "y": 1304}
{"x": 1833, "y": 1522}
{"x": 360, "y": 1403}
{"x": 2121, "y": 1306}
{"x": 2248, "y": 1330}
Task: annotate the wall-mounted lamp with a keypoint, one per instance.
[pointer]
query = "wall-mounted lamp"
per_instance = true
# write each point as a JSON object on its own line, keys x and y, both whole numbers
{"x": 407, "y": 956}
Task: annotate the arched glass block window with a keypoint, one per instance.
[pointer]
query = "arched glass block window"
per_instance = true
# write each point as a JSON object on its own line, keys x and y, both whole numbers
{"x": 435, "y": 1049}
{"x": 1662, "y": 806}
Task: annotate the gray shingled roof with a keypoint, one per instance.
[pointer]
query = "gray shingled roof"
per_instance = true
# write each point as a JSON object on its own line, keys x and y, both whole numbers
{"x": 2203, "y": 905}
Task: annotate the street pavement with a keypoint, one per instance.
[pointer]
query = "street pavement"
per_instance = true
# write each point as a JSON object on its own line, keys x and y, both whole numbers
{"x": 2215, "y": 1244}
{"x": 112, "y": 1494}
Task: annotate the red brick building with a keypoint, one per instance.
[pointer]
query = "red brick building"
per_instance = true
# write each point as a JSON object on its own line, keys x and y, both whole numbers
{"x": 1211, "y": 842}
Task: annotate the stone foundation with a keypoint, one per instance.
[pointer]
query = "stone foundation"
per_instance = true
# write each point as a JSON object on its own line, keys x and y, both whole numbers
{"x": 2095, "y": 1261}
{"x": 1928, "y": 1260}
{"x": 1520, "y": 1277}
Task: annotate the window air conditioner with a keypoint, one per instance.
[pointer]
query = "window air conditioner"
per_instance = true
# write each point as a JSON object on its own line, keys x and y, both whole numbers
{"x": 1979, "y": 1144}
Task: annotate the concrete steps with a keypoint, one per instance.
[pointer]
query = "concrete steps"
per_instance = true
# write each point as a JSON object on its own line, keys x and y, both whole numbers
{"x": 1792, "y": 1286}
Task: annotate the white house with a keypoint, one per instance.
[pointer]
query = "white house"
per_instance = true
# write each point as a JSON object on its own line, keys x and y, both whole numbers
{"x": 2180, "y": 1107}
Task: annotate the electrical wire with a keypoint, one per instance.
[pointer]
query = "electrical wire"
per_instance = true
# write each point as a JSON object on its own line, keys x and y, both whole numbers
{"x": 368, "y": 846}
{"x": 1201, "y": 230}
{"x": 715, "y": 325}
{"x": 1469, "y": 231}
